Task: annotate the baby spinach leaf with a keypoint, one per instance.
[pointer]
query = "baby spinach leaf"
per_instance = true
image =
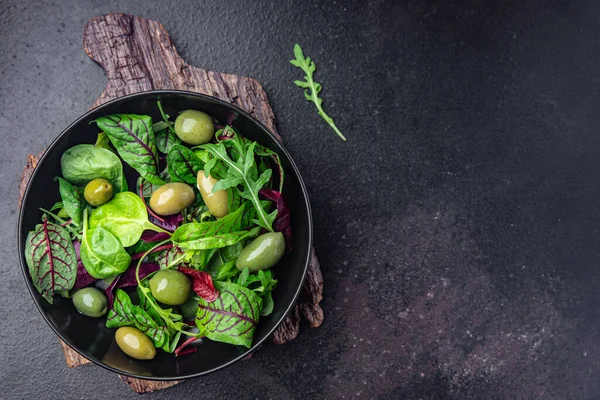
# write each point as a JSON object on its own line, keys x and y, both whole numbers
{"x": 84, "y": 162}
{"x": 72, "y": 200}
{"x": 83, "y": 276}
{"x": 232, "y": 317}
{"x": 183, "y": 164}
{"x": 133, "y": 137}
{"x": 51, "y": 259}
{"x": 242, "y": 168}
{"x": 124, "y": 216}
{"x": 101, "y": 252}
{"x": 125, "y": 313}
{"x": 103, "y": 142}
{"x": 166, "y": 139}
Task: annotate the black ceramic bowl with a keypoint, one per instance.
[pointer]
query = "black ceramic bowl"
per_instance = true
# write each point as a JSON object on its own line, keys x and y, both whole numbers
{"x": 89, "y": 336}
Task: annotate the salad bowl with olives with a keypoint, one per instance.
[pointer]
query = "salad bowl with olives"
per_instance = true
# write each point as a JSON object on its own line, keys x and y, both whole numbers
{"x": 165, "y": 235}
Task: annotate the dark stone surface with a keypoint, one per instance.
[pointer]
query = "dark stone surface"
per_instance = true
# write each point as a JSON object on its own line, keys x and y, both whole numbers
{"x": 457, "y": 228}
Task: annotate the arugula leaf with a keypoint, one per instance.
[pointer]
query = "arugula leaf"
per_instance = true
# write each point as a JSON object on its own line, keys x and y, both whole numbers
{"x": 101, "y": 252}
{"x": 125, "y": 313}
{"x": 133, "y": 137}
{"x": 240, "y": 172}
{"x": 72, "y": 200}
{"x": 183, "y": 165}
{"x": 311, "y": 88}
{"x": 125, "y": 216}
{"x": 232, "y": 317}
{"x": 243, "y": 277}
{"x": 51, "y": 259}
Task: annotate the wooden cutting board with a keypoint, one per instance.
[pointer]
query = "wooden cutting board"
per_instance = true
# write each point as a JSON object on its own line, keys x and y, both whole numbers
{"x": 138, "y": 55}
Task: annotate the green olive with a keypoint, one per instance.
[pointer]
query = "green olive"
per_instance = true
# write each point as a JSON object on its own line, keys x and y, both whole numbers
{"x": 91, "y": 302}
{"x": 217, "y": 201}
{"x": 135, "y": 343}
{"x": 194, "y": 127}
{"x": 98, "y": 192}
{"x": 262, "y": 253}
{"x": 170, "y": 287}
{"x": 172, "y": 198}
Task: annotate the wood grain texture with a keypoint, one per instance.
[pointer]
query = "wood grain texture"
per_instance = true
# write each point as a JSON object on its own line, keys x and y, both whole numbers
{"x": 138, "y": 55}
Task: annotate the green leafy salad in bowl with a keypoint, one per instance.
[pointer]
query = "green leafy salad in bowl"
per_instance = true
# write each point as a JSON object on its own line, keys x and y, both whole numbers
{"x": 188, "y": 253}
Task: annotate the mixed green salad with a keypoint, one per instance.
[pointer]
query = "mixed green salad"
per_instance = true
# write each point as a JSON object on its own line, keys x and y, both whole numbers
{"x": 185, "y": 254}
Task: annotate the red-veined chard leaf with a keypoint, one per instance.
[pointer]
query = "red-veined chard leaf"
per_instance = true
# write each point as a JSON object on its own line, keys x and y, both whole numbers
{"x": 171, "y": 257}
{"x": 232, "y": 317}
{"x": 166, "y": 139}
{"x": 183, "y": 164}
{"x": 133, "y": 137}
{"x": 167, "y": 222}
{"x": 125, "y": 313}
{"x": 214, "y": 234}
{"x": 202, "y": 283}
{"x": 51, "y": 259}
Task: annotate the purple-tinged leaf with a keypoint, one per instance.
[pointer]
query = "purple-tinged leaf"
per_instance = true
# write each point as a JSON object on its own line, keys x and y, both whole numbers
{"x": 202, "y": 283}
{"x": 169, "y": 257}
{"x": 128, "y": 279}
{"x": 282, "y": 222}
{"x": 153, "y": 236}
{"x": 168, "y": 222}
{"x": 51, "y": 259}
{"x": 84, "y": 278}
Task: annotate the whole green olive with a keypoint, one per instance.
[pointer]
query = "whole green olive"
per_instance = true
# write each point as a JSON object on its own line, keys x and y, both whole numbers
{"x": 262, "y": 253}
{"x": 171, "y": 198}
{"x": 98, "y": 192}
{"x": 217, "y": 201}
{"x": 170, "y": 287}
{"x": 135, "y": 343}
{"x": 91, "y": 302}
{"x": 194, "y": 127}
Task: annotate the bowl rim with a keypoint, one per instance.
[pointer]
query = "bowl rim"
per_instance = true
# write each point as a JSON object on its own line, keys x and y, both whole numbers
{"x": 33, "y": 292}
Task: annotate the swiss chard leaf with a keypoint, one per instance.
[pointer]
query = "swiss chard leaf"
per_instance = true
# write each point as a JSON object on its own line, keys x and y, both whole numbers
{"x": 125, "y": 313}
{"x": 183, "y": 165}
{"x": 232, "y": 317}
{"x": 282, "y": 222}
{"x": 51, "y": 259}
{"x": 166, "y": 139}
{"x": 85, "y": 162}
{"x": 72, "y": 200}
{"x": 125, "y": 216}
{"x": 133, "y": 137}
{"x": 214, "y": 234}
{"x": 101, "y": 252}
{"x": 171, "y": 257}
{"x": 243, "y": 168}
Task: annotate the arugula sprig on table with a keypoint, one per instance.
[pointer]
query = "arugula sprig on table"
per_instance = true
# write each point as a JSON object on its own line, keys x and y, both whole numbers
{"x": 312, "y": 88}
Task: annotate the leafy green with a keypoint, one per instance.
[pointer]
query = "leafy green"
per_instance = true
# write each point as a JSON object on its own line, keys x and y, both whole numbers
{"x": 165, "y": 140}
{"x": 243, "y": 171}
{"x": 125, "y": 313}
{"x": 312, "y": 88}
{"x": 51, "y": 259}
{"x": 103, "y": 142}
{"x": 214, "y": 234}
{"x": 85, "y": 162}
{"x": 72, "y": 200}
{"x": 183, "y": 164}
{"x": 232, "y": 317}
{"x": 101, "y": 252}
{"x": 133, "y": 137}
{"x": 125, "y": 216}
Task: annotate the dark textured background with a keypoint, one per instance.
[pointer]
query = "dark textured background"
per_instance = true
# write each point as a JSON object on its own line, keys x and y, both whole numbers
{"x": 457, "y": 228}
